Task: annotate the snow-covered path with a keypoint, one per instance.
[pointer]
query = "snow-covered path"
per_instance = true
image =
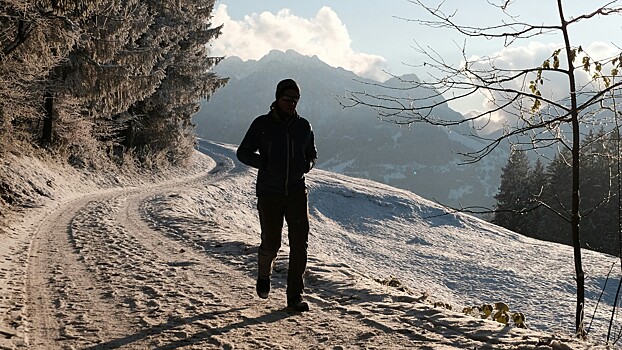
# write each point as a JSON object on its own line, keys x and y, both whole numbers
{"x": 171, "y": 266}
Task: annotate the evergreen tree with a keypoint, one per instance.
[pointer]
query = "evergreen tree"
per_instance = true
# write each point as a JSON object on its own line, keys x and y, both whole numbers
{"x": 536, "y": 217}
{"x": 550, "y": 200}
{"x": 36, "y": 36}
{"x": 105, "y": 74}
{"x": 614, "y": 206}
{"x": 557, "y": 198}
{"x": 513, "y": 199}
{"x": 598, "y": 208}
{"x": 188, "y": 77}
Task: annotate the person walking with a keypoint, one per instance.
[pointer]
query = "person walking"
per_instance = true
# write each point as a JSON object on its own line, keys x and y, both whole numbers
{"x": 281, "y": 145}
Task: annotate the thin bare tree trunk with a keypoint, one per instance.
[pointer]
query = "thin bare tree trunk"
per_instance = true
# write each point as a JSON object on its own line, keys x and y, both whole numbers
{"x": 576, "y": 215}
{"x": 48, "y": 120}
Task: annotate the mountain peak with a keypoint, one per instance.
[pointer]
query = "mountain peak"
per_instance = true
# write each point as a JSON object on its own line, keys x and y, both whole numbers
{"x": 274, "y": 53}
{"x": 289, "y": 62}
{"x": 291, "y": 57}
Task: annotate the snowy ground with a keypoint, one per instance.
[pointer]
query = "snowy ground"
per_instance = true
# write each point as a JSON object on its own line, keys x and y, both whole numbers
{"x": 169, "y": 263}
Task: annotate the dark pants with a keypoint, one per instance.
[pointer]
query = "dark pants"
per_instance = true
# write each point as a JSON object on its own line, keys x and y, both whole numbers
{"x": 294, "y": 209}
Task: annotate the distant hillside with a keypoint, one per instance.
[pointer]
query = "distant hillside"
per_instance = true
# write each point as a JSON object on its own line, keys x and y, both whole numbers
{"x": 352, "y": 141}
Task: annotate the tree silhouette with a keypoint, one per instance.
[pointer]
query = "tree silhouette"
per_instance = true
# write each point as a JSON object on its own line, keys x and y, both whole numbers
{"x": 535, "y": 116}
{"x": 514, "y": 198}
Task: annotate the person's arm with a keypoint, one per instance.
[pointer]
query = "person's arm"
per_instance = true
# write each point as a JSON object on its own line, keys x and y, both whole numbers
{"x": 247, "y": 151}
{"x": 311, "y": 151}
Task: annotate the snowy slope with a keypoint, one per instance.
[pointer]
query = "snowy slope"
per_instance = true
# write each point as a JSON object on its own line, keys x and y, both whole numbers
{"x": 460, "y": 260}
{"x": 169, "y": 261}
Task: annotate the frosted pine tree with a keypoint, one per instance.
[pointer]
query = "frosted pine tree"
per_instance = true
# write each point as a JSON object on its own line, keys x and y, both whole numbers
{"x": 134, "y": 79}
{"x": 110, "y": 69}
{"x": 35, "y": 36}
{"x": 184, "y": 28}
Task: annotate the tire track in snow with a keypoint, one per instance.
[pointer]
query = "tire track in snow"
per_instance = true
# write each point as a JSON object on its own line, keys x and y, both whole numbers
{"x": 86, "y": 273}
{"x": 65, "y": 303}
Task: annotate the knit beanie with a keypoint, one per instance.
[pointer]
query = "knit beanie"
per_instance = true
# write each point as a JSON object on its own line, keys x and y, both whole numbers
{"x": 286, "y": 84}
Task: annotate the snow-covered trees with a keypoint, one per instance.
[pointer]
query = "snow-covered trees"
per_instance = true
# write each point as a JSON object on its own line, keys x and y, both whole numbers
{"x": 33, "y": 40}
{"x": 88, "y": 77}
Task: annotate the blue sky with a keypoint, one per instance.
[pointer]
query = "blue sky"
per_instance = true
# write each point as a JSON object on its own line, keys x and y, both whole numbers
{"x": 361, "y": 36}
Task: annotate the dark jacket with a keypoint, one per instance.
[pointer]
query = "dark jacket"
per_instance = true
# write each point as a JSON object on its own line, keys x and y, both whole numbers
{"x": 286, "y": 152}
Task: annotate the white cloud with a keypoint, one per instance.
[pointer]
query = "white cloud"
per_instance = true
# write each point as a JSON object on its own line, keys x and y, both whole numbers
{"x": 323, "y": 35}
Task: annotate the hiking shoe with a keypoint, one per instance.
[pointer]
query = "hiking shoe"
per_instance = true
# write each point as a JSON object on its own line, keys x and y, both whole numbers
{"x": 297, "y": 304}
{"x": 263, "y": 287}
